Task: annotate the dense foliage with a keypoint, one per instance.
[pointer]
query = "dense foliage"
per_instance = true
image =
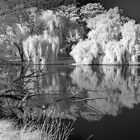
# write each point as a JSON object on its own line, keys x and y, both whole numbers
{"x": 112, "y": 39}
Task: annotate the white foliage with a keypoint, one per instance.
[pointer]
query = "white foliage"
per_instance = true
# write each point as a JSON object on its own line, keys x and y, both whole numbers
{"x": 50, "y": 49}
{"x": 113, "y": 53}
{"x": 45, "y": 48}
{"x": 131, "y": 40}
{"x": 105, "y": 27}
{"x": 32, "y": 50}
{"x": 40, "y": 49}
{"x": 118, "y": 40}
{"x": 84, "y": 52}
{"x": 129, "y": 36}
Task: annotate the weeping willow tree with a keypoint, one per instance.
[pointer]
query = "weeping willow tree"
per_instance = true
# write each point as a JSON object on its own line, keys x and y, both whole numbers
{"x": 23, "y": 13}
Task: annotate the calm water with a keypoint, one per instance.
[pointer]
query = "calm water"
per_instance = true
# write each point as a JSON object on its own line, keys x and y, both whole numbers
{"x": 104, "y": 100}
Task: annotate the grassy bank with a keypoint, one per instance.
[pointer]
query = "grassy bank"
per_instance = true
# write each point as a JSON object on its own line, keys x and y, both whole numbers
{"x": 50, "y": 129}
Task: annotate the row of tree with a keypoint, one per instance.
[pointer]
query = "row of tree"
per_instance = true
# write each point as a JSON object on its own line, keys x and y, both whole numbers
{"x": 26, "y": 13}
{"x": 94, "y": 35}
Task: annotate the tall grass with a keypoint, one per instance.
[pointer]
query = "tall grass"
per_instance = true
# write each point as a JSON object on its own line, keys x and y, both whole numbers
{"x": 44, "y": 128}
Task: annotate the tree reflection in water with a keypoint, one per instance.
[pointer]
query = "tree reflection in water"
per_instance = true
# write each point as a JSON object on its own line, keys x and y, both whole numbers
{"x": 119, "y": 86}
{"x": 68, "y": 91}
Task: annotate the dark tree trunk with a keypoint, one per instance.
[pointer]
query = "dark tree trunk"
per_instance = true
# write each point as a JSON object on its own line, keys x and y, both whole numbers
{"x": 20, "y": 50}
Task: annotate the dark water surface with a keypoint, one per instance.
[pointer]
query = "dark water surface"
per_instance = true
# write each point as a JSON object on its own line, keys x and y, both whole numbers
{"x": 102, "y": 100}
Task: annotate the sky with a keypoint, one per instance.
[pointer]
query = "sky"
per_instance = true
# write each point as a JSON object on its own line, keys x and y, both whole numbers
{"x": 131, "y": 8}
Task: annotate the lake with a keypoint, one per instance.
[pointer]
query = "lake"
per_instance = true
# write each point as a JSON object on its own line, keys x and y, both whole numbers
{"x": 103, "y": 101}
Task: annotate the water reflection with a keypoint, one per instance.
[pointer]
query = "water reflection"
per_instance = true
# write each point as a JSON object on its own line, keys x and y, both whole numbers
{"x": 71, "y": 92}
{"x": 119, "y": 86}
